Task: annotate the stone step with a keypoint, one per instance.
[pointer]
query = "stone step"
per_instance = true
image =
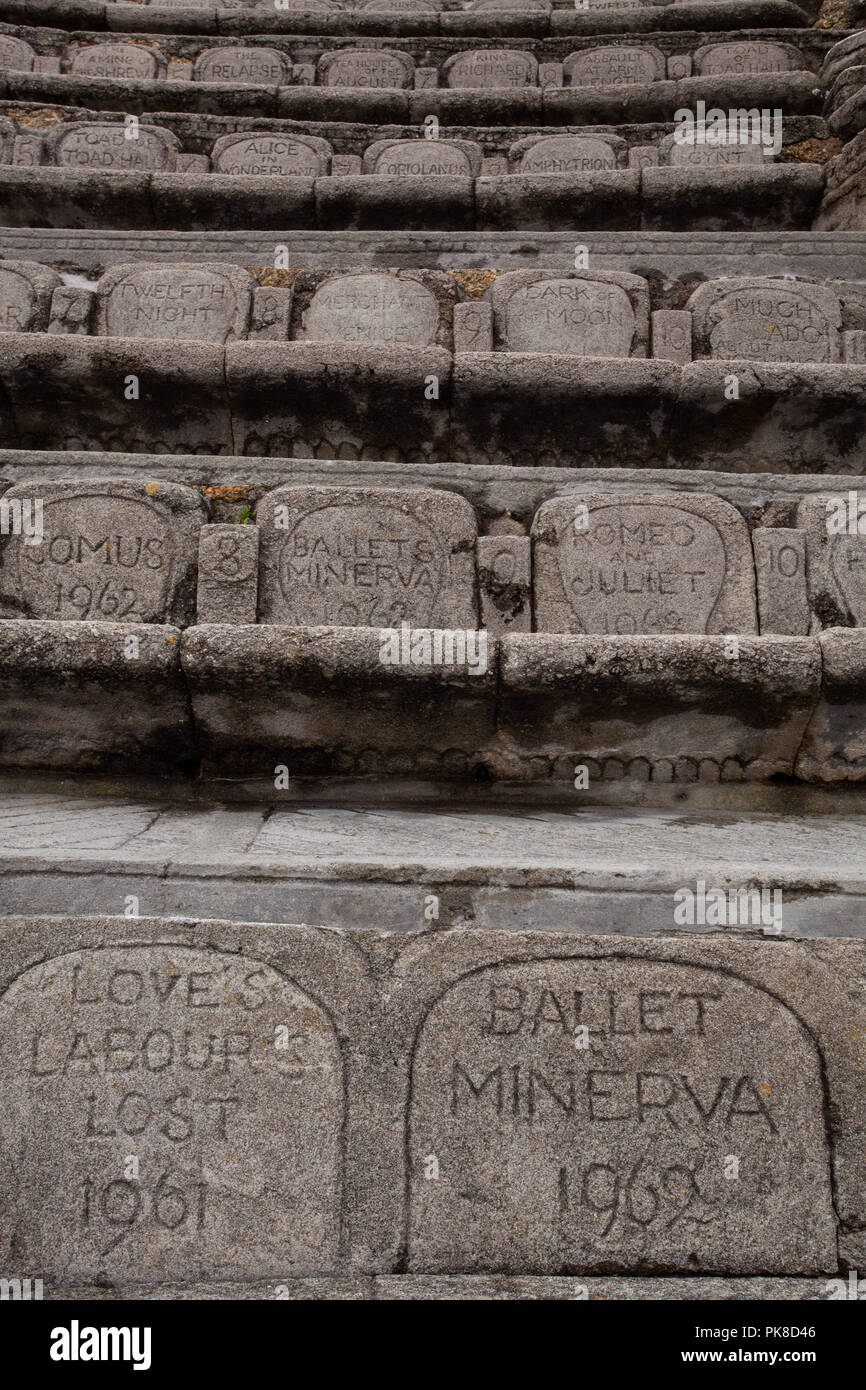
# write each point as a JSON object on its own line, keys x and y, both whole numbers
{"x": 371, "y": 633}
{"x": 247, "y": 147}
{"x": 796, "y": 93}
{"x": 326, "y": 703}
{"x": 310, "y": 399}
{"x": 708, "y": 199}
{"x": 231, "y": 482}
{"x": 440, "y": 878}
{"x": 452, "y": 1102}
{"x": 70, "y": 848}
{"x": 831, "y": 255}
{"x": 601, "y": 61}
{"x": 584, "y": 314}
{"x": 243, "y": 17}
{"x": 572, "y": 574}
{"x": 798, "y": 545}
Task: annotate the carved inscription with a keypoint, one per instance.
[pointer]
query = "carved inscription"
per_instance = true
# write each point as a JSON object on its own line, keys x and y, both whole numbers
{"x": 91, "y": 564}
{"x": 245, "y": 66}
{"x": 173, "y": 302}
{"x": 768, "y": 321}
{"x": 848, "y": 567}
{"x": 613, "y": 1114}
{"x": 267, "y": 154}
{"x": 586, "y": 317}
{"x": 616, "y": 65}
{"x": 15, "y": 54}
{"x": 568, "y": 154}
{"x": 422, "y": 158}
{"x": 754, "y": 56}
{"x": 644, "y": 563}
{"x": 168, "y": 1113}
{"x": 105, "y": 146}
{"x": 401, "y": 6}
{"x": 362, "y": 67}
{"x": 129, "y": 61}
{"x": 372, "y": 308}
{"x": 489, "y": 67}
{"x": 732, "y": 155}
{"x": 362, "y": 567}
{"x": 776, "y": 326}
{"x": 844, "y": 555}
{"x": 836, "y": 549}
{"x": 111, "y": 553}
{"x": 643, "y": 569}
{"x": 366, "y": 558}
{"x": 780, "y": 568}
{"x": 18, "y": 301}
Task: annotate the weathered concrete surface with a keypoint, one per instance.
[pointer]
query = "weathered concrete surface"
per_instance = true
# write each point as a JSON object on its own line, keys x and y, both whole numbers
{"x": 121, "y": 392}
{"x": 831, "y": 253}
{"x": 389, "y": 555}
{"x": 204, "y": 17}
{"x": 834, "y": 748}
{"x": 100, "y": 695}
{"x": 510, "y": 1196}
{"x": 665, "y": 563}
{"x": 664, "y": 199}
{"x": 472, "y": 1287}
{"x": 109, "y": 551}
{"x": 421, "y": 404}
{"x": 595, "y": 1052}
{"x": 630, "y": 703}
{"x": 233, "y": 1211}
{"x": 327, "y": 700}
{"x": 637, "y": 1029}
{"x": 581, "y": 869}
{"x": 337, "y": 398}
